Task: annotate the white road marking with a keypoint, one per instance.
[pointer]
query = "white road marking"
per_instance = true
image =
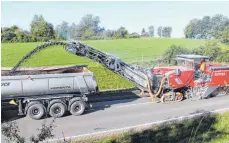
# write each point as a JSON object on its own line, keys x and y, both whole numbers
{"x": 146, "y": 124}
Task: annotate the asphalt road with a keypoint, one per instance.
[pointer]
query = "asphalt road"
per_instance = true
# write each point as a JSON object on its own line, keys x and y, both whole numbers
{"x": 110, "y": 115}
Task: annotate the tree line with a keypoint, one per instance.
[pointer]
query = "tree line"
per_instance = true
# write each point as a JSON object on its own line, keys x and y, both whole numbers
{"x": 165, "y": 31}
{"x": 215, "y": 27}
{"x": 211, "y": 48}
{"x": 40, "y": 30}
{"x": 87, "y": 29}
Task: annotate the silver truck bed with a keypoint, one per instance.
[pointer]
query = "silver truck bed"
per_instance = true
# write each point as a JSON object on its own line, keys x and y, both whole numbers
{"x": 51, "y": 82}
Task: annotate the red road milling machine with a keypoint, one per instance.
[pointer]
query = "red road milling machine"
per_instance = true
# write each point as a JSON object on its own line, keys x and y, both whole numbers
{"x": 169, "y": 84}
{"x": 186, "y": 79}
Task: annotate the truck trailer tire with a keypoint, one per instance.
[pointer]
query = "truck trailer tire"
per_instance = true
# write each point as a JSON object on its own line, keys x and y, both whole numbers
{"x": 77, "y": 108}
{"x": 36, "y": 111}
{"x": 57, "y": 110}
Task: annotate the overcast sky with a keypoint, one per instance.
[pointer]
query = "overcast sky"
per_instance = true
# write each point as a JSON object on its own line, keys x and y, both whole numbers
{"x": 132, "y": 15}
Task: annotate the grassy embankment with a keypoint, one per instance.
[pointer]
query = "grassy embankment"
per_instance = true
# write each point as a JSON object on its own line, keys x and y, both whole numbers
{"x": 130, "y": 50}
{"x": 208, "y": 129}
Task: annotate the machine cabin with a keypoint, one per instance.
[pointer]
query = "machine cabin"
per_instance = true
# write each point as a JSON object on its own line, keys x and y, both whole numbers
{"x": 191, "y": 61}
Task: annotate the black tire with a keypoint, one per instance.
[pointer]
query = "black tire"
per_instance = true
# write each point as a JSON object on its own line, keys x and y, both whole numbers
{"x": 77, "y": 108}
{"x": 36, "y": 111}
{"x": 57, "y": 110}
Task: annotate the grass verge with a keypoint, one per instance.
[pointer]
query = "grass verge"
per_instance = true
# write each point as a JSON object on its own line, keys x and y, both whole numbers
{"x": 203, "y": 129}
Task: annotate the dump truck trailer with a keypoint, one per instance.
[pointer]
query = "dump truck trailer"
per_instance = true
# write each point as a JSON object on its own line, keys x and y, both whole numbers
{"x": 51, "y": 90}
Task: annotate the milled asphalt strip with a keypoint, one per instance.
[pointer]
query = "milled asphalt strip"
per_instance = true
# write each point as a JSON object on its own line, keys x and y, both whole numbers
{"x": 140, "y": 101}
{"x": 93, "y": 109}
{"x": 138, "y": 126}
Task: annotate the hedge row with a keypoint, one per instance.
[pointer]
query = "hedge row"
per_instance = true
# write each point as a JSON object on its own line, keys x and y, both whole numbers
{"x": 210, "y": 48}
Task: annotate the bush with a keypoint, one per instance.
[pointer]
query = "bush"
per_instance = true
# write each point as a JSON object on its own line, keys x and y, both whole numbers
{"x": 8, "y": 36}
{"x": 198, "y": 51}
{"x": 11, "y": 131}
{"x": 171, "y": 52}
{"x": 225, "y": 36}
{"x": 96, "y": 38}
{"x": 212, "y": 49}
{"x": 223, "y": 56}
{"x": 93, "y": 38}
{"x": 134, "y": 36}
{"x": 43, "y": 39}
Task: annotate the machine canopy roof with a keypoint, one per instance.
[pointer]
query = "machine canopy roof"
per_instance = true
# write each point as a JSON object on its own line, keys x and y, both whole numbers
{"x": 189, "y": 57}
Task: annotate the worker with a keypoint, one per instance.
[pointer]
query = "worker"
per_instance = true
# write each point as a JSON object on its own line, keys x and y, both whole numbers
{"x": 202, "y": 69}
{"x": 202, "y": 65}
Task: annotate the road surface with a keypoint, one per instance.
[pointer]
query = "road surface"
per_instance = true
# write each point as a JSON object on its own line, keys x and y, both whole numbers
{"x": 110, "y": 115}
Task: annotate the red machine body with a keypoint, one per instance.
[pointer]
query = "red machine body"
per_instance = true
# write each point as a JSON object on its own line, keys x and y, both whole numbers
{"x": 187, "y": 75}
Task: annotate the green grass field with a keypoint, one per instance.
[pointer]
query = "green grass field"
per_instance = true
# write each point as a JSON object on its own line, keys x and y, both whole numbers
{"x": 130, "y": 50}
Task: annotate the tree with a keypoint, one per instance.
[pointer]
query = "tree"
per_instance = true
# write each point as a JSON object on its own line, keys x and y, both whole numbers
{"x": 167, "y": 31}
{"x": 15, "y": 34}
{"x": 219, "y": 25}
{"x": 8, "y": 36}
{"x": 207, "y": 27}
{"x": 34, "y": 25}
{"x": 41, "y": 30}
{"x": 121, "y": 33}
{"x": 212, "y": 49}
{"x": 198, "y": 50}
{"x": 14, "y": 28}
{"x": 224, "y": 56}
{"x": 63, "y": 30}
{"x": 72, "y": 31}
{"x": 191, "y": 28}
{"x": 88, "y": 23}
{"x": 12, "y": 133}
{"x": 50, "y": 30}
{"x": 143, "y": 31}
{"x": 151, "y": 30}
{"x": 169, "y": 56}
{"x": 110, "y": 33}
{"x": 225, "y": 36}
{"x": 159, "y": 31}
{"x": 134, "y": 35}
{"x": 100, "y": 31}
{"x": 20, "y": 35}
{"x": 88, "y": 34}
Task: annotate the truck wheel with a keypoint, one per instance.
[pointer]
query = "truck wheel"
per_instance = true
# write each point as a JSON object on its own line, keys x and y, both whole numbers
{"x": 77, "y": 108}
{"x": 36, "y": 111}
{"x": 57, "y": 110}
